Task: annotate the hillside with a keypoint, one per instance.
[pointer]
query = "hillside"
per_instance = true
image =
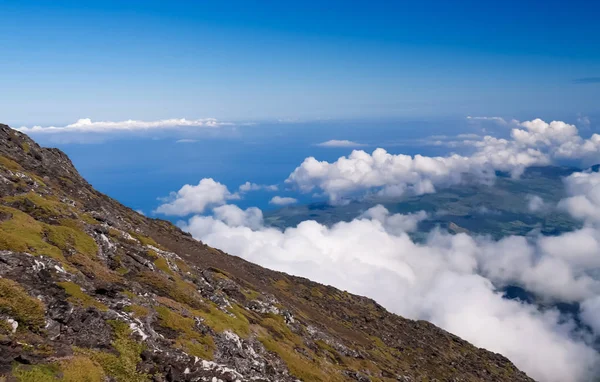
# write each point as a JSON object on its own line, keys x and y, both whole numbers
{"x": 92, "y": 291}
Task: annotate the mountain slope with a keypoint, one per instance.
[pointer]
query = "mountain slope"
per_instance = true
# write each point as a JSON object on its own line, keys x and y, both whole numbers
{"x": 91, "y": 290}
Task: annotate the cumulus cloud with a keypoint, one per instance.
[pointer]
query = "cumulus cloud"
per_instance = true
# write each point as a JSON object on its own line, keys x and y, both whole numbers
{"x": 86, "y": 125}
{"x": 282, "y": 201}
{"x": 194, "y": 199}
{"x": 234, "y": 216}
{"x": 247, "y": 187}
{"x": 453, "y": 281}
{"x": 535, "y": 203}
{"x": 590, "y": 313}
{"x": 532, "y": 143}
{"x": 339, "y": 143}
{"x": 583, "y": 201}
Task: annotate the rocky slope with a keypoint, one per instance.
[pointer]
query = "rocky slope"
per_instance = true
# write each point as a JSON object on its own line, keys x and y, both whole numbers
{"x": 92, "y": 291}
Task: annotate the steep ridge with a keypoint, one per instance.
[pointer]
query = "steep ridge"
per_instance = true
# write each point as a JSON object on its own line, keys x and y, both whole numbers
{"x": 90, "y": 290}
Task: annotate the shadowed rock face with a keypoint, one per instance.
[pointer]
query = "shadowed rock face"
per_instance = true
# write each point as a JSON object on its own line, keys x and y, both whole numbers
{"x": 92, "y": 291}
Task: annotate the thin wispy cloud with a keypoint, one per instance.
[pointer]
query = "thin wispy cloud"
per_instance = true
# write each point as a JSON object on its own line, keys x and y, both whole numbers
{"x": 340, "y": 143}
{"x": 86, "y": 125}
{"x": 498, "y": 120}
{"x": 247, "y": 187}
{"x": 282, "y": 201}
{"x": 587, "y": 80}
{"x": 186, "y": 141}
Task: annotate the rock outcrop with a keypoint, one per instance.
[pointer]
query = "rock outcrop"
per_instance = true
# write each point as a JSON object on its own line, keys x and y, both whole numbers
{"x": 90, "y": 290}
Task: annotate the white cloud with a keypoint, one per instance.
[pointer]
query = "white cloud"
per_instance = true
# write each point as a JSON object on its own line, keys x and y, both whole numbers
{"x": 247, "y": 187}
{"x": 583, "y": 202}
{"x": 395, "y": 223}
{"x": 186, "y": 140}
{"x": 498, "y": 120}
{"x": 590, "y": 313}
{"x": 393, "y": 175}
{"x": 449, "y": 280}
{"x": 282, "y": 201}
{"x": 340, "y": 143}
{"x": 533, "y": 143}
{"x": 235, "y": 217}
{"x": 86, "y": 125}
{"x": 194, "y": 199}
{"x": 584, "y": 121}
{"x": 535, "y": 203}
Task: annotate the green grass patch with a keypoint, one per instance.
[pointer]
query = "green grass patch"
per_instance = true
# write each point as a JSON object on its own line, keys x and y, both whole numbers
{"x": 162, "y": 264}
{"x": 22, "y": 233}
{"x": 36, "y": 373}
{"x": 81, "y": 369}
{"x": 94, "y": 269}
{"x": 138, "y": 311}
{"x": 145, "y": 240}
{"x": 78, "y": 297}
{"x": 9, "y": 164}
{"x": 14, "y": 301}
{"x": 39, "y": 206}
{"x": 122, "y": 368}
{"x": 189, "y": 340}
{"x": 179, "y": 290}
{"x": 69, "y": 238}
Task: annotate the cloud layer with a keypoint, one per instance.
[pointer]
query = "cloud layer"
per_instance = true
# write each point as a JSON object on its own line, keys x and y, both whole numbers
{"x": 339, "y": 143}
{"x": 454, "y": 281}
{"x": 86, "y": 125}
{"x": 450, "y": 280}
{"x": 532, "y": 143}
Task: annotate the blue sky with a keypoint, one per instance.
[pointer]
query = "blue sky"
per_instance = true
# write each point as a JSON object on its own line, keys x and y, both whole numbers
{"x": 266, "y": 60}
{"x": 288, "y": 75}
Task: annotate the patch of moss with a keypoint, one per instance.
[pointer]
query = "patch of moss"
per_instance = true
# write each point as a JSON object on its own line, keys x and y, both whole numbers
{"x": 179, "y": 290}
{"x": 39, "y": 206}
{"x": 72, "y": 223}
{"x": 182, "y": 265}
{"x": 152, "y": 254}
{"x": 5, "y": 327}
{"x": 220, "y": 321}
{"x": 25, "y": 146}
{"x": 94, "y": 269}
{"x": 277, "y": 337}
{"x": 81, "y": 369}
{"x": 36, "y": 373}
{"x": 145, "y": 240}
{"x": 79, "y": 297}
{"x": 122, "y": 368}
{"x": 129, "y": 294}
{"x": 282, "y": 284}
{"x": 89, "y": 219}
{"x": 14, "y": 301}
{"x": 22, "y": 233}
{"x": 70, "y": 238}
{"x": 138, "y": 311}
{"x": 278, "y": 329}
{"x": 190, "y": 341}
{"x": 250, "y": 294}
{"x": 122, "y": 271}
{"x": 316, "y": 292}
{"x": 162, "y": 264}
{"x": 9, "y": 163}
{"x": 299, "y": 366}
